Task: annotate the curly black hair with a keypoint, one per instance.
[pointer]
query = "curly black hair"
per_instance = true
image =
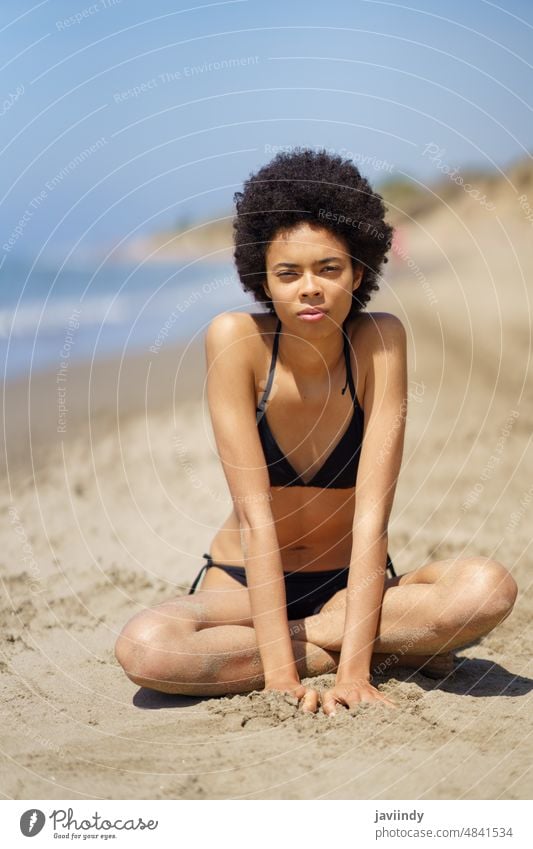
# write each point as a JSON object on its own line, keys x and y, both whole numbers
{"x": 323, "y": 190}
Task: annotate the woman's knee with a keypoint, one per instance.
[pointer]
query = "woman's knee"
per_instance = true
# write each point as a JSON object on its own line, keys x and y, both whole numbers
{"x": 484, "y": 589}
{"x": 151, "y": 644}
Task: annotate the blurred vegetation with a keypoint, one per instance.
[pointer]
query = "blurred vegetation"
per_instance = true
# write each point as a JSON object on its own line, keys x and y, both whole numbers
{"x": 405, "y": 200}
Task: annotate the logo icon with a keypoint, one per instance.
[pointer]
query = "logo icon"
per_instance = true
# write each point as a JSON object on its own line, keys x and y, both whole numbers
{"x": 32, "y": 822}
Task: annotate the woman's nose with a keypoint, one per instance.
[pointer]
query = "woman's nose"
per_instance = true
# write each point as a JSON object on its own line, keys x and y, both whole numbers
{"x": 310, "y": 285}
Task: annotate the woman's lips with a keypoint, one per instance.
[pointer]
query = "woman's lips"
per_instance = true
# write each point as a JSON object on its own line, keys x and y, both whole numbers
{"x": 312, "y": 316}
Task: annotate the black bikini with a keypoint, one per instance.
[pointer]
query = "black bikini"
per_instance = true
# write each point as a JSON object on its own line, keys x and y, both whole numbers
{"x": 339, "y": 471}
{"x": 307, "y": 591}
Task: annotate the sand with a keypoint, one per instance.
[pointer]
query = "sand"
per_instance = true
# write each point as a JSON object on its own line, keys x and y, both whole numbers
{"x": 114, "y": 515}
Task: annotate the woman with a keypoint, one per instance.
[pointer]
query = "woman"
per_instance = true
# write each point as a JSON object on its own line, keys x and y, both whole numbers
{"x": 295, "y": 583}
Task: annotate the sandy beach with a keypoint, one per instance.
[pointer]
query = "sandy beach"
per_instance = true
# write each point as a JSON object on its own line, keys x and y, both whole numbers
{"x": 113, "y": 513}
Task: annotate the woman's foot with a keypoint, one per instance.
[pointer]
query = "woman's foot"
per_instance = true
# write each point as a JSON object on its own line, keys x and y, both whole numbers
{"x": 432, "y": 666}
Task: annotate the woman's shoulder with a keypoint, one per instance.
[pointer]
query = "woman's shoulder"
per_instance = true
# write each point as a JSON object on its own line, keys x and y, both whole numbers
{"x": 232, "y": 325}
{"x": 372, "y": 335}
{"x": 241, "y": 338}
{"x": 367, "y": 331}
{"x": 374, "y": 338}
{"x": 375, "y": 329}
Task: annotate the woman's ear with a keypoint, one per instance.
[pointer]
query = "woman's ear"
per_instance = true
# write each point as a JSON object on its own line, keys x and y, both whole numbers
{"x": 267, "y": 293}
{"x": 357, "y": 276}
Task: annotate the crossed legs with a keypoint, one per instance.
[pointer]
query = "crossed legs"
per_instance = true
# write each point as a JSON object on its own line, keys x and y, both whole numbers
{"x": 204, "y": 644}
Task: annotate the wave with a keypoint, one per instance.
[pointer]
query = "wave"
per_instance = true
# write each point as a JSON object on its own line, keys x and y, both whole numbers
{"x": 59, "y": 314}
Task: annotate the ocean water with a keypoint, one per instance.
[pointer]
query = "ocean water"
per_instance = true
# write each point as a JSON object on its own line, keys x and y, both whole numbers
{"x": 49, "y": 315}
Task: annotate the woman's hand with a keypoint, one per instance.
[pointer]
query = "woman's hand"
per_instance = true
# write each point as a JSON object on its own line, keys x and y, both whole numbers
{"x": 351, "y": 693}
{"x": 307, "y": 697}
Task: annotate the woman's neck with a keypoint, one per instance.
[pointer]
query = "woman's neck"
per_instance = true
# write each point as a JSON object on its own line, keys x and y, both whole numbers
{"x": 316, "y": 360}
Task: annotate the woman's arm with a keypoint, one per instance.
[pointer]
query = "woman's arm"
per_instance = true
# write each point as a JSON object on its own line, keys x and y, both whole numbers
{"x": 385, "y": 404}
{"x": 232, "y": 402}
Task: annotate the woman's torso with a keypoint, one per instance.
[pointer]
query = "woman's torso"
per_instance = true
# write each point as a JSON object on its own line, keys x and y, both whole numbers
{"x": 313, "y": 525}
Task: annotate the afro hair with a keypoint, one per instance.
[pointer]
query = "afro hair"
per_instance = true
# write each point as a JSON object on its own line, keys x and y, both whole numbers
{"x": 322, "y": 190}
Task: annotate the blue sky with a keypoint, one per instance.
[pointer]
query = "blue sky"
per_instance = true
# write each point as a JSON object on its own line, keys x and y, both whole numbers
{"x": 178, "y": 103}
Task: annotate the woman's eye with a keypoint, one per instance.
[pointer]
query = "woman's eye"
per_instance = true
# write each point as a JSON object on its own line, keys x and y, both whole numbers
{"x": 293, "y": 273}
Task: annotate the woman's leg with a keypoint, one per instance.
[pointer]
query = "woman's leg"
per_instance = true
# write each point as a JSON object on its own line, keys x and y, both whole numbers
{"x": 433, "y": 609}
{"x": 205, "y": 644}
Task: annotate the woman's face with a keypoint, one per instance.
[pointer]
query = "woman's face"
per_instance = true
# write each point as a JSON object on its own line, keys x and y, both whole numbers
{"x": 309, "y": 267}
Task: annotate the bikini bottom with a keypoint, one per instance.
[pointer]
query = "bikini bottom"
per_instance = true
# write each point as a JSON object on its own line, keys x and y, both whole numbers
{"x": 306, "y": 592}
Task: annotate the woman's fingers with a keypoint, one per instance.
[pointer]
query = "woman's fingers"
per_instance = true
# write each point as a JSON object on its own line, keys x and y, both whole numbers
{"x": 329, "y": 703}
{"x": 374, "y": 695}
{"x": 309, "y": 701}
{"x": 332, "y": 699}
{"x": 372, "y": 698}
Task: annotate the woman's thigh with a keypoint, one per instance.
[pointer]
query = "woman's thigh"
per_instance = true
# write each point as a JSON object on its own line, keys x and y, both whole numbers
{"x": 220, "y": 600}
{"x": 449, "y": 574}
{"x": 223, "y": 600}
{"x": 442, "y": 571}
{"x": 338, "y": 600}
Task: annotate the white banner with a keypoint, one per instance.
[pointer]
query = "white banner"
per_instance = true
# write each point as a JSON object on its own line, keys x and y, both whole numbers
{"x": 228, "y": 824}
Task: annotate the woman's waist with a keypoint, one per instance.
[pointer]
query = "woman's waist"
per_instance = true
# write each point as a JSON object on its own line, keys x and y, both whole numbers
{"x": 303, "y": 573}
{"x": 296, "y": 556}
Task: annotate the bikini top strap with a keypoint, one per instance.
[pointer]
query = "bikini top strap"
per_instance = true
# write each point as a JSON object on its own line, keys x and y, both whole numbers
{"x": 349, "y": 375}
{"x": 261, "y": 405}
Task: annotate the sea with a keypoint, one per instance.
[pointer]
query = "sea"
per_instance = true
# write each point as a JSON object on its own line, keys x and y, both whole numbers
{"x": 51, "y": 313}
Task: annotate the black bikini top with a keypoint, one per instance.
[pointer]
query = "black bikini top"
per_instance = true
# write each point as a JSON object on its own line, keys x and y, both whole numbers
{"x": 339, "y": 471}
